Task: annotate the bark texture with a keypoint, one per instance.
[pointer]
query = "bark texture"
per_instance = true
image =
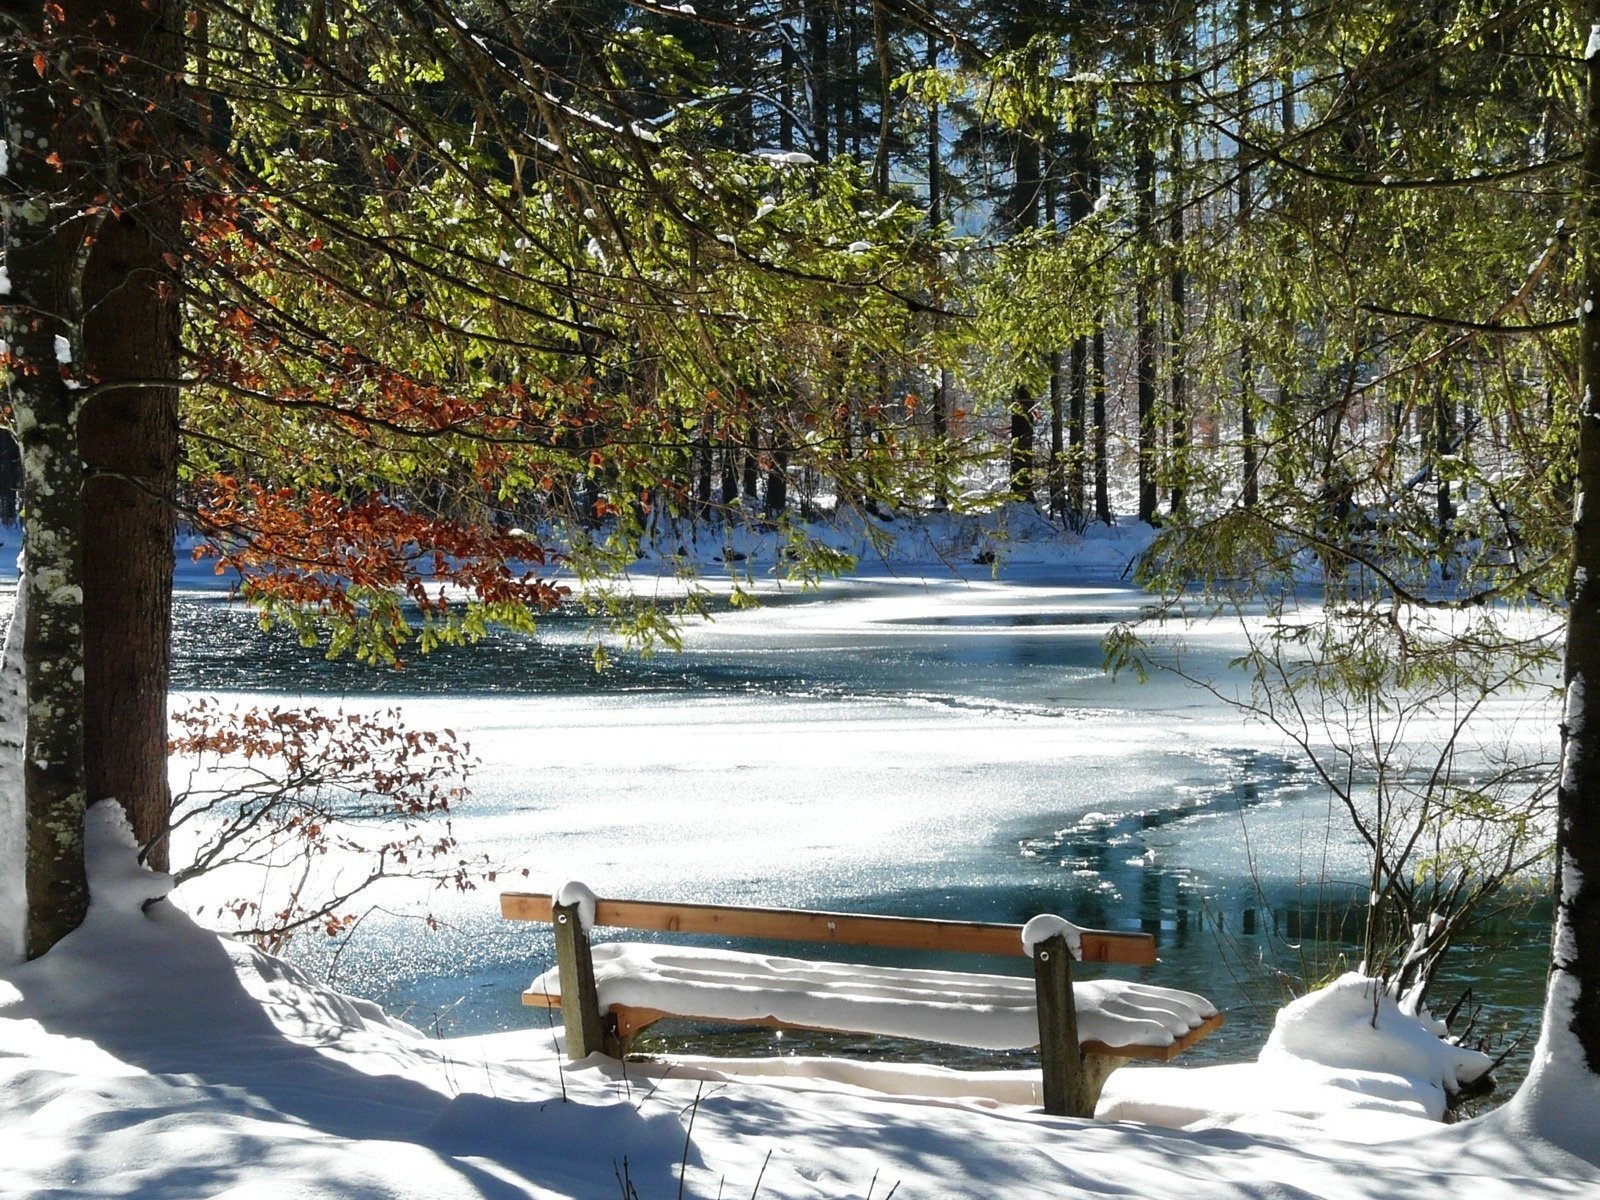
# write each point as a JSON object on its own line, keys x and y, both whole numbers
{"x": 1144, "y": 186}
{"x": 41, "y": 260}
{"x": 93, "y": 323}
{"x": 1575, "y": 958}
{"x": 128, "y": 440}
{"x": 14, "y": 831}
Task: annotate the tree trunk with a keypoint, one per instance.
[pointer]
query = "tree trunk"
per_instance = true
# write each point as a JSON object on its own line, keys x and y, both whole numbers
{"x": 1178, "y": 316}
{"x": 14, "y": 832}
{"x": 1022, "y": 212}
{"x": 1097, "y": 355}
{"x": 1443, "y": 506}
{"x": 1078, "y": 210}
{"x": 880, "y": 39}
{"x": 1058, "y": 445}
{"x": 703, "y": 456}
{"x": 128, "y": 438}
{"x": 1563, "y": 1087}
{"x": 43, "y": 242}
{"x": 941, "y": 387}
{"x": 1144, "y": 184}
{"x": 778, "y": 484}
{"x": 817, "y": 69}
{"x": 1102, "y": 470}
{"x": 846, "y": 84}
{"x": 729, "y": 490}
{"x": 1021, "y": 443}
{"x": 1057, "y": 473}
{"x": 1286, "y": 121}
{"x": 788, "y": 66}
{"x": 751, "y": 479}
{"x": 1247, "y": 384}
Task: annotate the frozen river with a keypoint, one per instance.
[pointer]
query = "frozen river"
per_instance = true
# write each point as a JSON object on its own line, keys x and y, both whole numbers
{"x": 932, "y": 747}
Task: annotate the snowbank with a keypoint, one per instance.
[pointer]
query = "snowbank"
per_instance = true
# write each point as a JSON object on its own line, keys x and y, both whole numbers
{"x": 1341, "y": 1050}
{"x": 145, "y": 1056}
{"x": 1355, "y": 1024}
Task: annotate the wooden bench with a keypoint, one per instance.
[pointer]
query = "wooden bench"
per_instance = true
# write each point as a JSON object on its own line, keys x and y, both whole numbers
{"x": 608, "y": 994}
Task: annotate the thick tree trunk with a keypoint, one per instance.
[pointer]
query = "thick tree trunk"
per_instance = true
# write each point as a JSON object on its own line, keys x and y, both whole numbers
{"x": 789, "y": 67}
{"x": 1077, "y": 420}
{"x": 43, "y": 242}
{"x": 128, "y": 438}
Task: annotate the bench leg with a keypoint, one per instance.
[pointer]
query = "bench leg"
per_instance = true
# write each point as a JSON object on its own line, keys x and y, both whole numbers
{"x": 1068, "y": 1090}
{"x": 1097, "y": 1069}
{"x": 580, "y": 1001}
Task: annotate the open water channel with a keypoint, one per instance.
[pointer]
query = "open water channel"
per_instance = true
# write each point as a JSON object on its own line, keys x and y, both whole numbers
{"x": 933, "y": 747}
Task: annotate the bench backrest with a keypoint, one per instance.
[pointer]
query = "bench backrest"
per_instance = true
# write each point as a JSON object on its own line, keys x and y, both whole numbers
{"x": 845, "y": 929}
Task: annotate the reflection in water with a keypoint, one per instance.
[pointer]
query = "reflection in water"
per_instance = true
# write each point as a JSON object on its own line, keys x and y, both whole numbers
{"x": 1017, "y": 620}
{"x": 1267, "y": 937}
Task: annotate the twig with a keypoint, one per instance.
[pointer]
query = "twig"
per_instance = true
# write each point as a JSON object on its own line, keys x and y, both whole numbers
{"x": 683, "y": 1163}
{"x": 760, "y": 1174}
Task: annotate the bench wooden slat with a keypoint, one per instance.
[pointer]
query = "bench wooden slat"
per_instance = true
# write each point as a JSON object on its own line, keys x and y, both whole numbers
{"x": 1157, "y": 1053}
{"x": 845, "y": 929}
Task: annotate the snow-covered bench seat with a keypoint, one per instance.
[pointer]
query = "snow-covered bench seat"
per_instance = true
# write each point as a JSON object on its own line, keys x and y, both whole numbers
{"x": 609, "y": 992}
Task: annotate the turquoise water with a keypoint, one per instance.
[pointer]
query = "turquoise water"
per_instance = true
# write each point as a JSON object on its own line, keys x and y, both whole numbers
{"x": 894, "y": 746}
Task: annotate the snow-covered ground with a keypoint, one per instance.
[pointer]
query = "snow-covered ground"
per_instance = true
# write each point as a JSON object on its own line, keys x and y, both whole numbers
{"x": 146, "y": 1057}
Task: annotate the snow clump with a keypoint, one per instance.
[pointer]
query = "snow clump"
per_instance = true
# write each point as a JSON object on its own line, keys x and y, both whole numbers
{"x": 573, "y": 892}
{"x": 1045, "y": 926}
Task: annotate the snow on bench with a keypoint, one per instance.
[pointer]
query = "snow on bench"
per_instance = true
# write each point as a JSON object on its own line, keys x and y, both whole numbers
{"x": 957, "y": 1008}
{"x": 608, "y": 993}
